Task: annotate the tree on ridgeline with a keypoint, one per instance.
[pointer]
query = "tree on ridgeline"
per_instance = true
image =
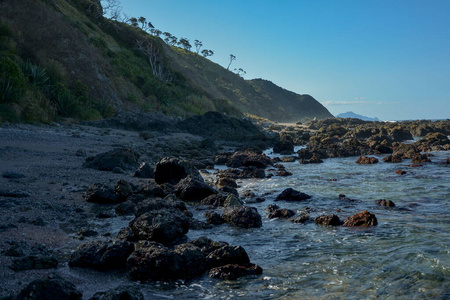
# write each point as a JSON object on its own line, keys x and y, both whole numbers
{"x": 144, "y": 24}
{"x": 155, "y": 32}
{"x": 207, "y": 53}
{"x": 152, "y": 51}
{"x": 184, "y": 43}
{"x": 133, "y": 22}
{"x": 240, "y": 71}
{"x": 198, "y": 45}
{"x": 232, "y": 57}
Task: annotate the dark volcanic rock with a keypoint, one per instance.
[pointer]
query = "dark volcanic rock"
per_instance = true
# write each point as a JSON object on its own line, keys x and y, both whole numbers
{"x": 156, "y": 204}
{"x": 102, "y": 255}
{"x": 363, "y": 218}
{"x": 290, "y": 194}
{"x": 282, "y": 213}
{"x": 243, "y": 216}
{"x": 386, "y": 203}
{"x": 190, "y": 189}
{"x": 163, "y": 226}
{"x": 227, "y": 255}
{"x": 366, "y": 160}
{"x": 101, "y": 193}
{"x": 300, "y": 219}
{"x": 283, "y": 147}
{"x": 207, "y": 245}
{"x": 214, "y": 200}
{"x": 126, "y": 159}
{"x": 328, "y": 220}
{"x": 233, "y": 271}
{"x": 420, "y": 158}
{"x": 214, "y": 218}
{"x": 49, "y": 287}
{"x": 172, "y": 170}
{"x": 145, "y": 170}
{"x": 393, "y": 159}
{"x": 119, "y": 293}
{"x": 248, "y": 159}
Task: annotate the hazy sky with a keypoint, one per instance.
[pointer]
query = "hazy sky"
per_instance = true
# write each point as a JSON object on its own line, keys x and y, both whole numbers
{"x": 380, "y": 58}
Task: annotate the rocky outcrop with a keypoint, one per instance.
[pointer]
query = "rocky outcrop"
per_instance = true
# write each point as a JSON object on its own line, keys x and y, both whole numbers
{"x": 328, "y": 220}
{"x": 241, "y": 159}
{"x": 125, "y": 159}
{"x": 172, "y": 170}
{"x": 50, "y": 287}
{"x": 366, "y": 160}
{"x": 233, "y": 271}
{"x": 283, "y": 147}
{"x": 363, "y": 218}
{"x": 242, "y": 216}
{"x": 290, "y": 194}
{"x": 393, "y": 158}
{"x": 101, "y": 193}
{"x": 190, "y": 189}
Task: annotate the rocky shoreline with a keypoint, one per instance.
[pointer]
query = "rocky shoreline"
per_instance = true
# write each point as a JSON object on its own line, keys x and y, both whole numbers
{"x": 63, "y": 186}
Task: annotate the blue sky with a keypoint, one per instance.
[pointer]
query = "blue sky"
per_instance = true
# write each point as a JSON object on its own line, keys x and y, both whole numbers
{"x": 379, "y": 58}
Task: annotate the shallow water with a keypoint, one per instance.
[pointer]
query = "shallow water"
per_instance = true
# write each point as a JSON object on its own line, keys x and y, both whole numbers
{"x": 407, "y": 256}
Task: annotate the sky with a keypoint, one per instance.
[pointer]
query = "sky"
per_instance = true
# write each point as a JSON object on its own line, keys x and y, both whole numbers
{"x": 379, "y": 58}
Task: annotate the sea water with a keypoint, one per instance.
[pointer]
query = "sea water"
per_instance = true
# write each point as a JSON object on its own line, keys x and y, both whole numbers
{"x": 406, "y": 256}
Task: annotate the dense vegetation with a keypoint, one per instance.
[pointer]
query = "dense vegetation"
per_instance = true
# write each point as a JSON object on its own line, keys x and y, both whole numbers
{"x": 66, "y": 59}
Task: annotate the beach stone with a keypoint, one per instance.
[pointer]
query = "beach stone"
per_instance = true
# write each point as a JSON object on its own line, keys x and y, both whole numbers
{"x": 234, "y": 271}
{"x": 102, "y": 255}
{"x": 194, "y": 260}
{"x": 386, "y": 203}
{"x": 123, "y": 189}
{"x": 145, "y": 170}
{"x": 315, "y": 159}
{"x": 163, "y": 226}
{"x": 152, "y": 189}
{"x": 125, "y": 159}
{"x": 190, "y": 189}
{"x": 366, "y": 160}
{"x": 242, "y": 216}
{"x": 214, "y": 218}
{"x": 227, "y": 255}
{"x": 33, "y": 262}
{"x": 401, "y": 172}
{"x": 248, "y": 159}
{"x": 119, "y": 293}
{"x": 207, "y": 245}
{"x": 49, "y": 287}
{"x": 327, "y": 220}
{"x": 290, "y": 194}
{"x": 226, "y": 181}
{"x": 282, "y": 213}
{"x": 393, "y": 158}
{"x": 420, "y": 158}
{"x": 300, "y": 219}
{"x": 364, "y": 218}
{"x": 156, "y": 204}
{"x": 214, "y": 200}
{"x": 283, "y": 147}
{"x": 172, "y": 170}
{"x": 232, "y": 200}
{"x": 101, "y": 193}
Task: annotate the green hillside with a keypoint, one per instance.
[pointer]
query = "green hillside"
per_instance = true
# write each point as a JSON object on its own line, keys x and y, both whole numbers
{"x": 64, "y": 59}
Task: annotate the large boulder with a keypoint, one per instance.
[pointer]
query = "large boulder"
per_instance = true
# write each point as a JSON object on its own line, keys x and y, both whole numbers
{"x": 328, "y": 220}
{"x": 172, "y": 170}
{"x": 125, "y": 159}
{"x": 101, "y": 193}
{"x": 163, "y": 226}
{"x": 363, "y": 218}
{"x": 155, "y": 204}
{"x": 190, "y": 189}
{"x": 48, "y": 288}
{"x": 242, "y": 216}
{"x": 248, "y": 159}
{"x": 283, "y": 147}
{"x": 102, "y": 255}
{"x": 227, "y": 255}
{"x": 290, "y": 194}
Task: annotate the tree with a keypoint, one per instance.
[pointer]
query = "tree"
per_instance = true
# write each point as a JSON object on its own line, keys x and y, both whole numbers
{"x": 133, "y": 22}
{"x": 232, "y": 57}
{"x": 184, "y": 42}
{"x": 198, "y": 45}
{"x": 240, "y": 71}
{"x": 150, "y": 49}
{"x": 207, "y": 53}
{"x": 156, "y": 32}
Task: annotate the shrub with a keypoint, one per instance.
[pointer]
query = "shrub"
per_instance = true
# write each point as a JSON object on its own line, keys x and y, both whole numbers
{"x": 12, "y": 80}
{"x": 67, "y": 104}
{"x": 36, "y": 75}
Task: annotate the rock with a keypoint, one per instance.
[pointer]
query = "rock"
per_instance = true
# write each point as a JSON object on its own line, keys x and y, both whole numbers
{"x": 226, "y": 181}
{"x": 153, "y": 261}
{"x": 214, "y": 218}
{"x": 124, "y": 189}
{"x": 87, "y": 232}
{"x": 207, "y": 245}
{"x": 386, "y": 203}
{"x": 48, "y": 288}
{"x": 151, "y": 189}
{"x": 157, "y": 204}
{"x": 328, "y": 220}
{"x": 190, "y": 189}
{"x": 125, "y": 159}
{"x": 101, "y": 193}
{"x": 163, "y": 226}
{"x": 366, "y": 160}
{"x": 363, "y": 218}
{"x": 405, "y": 150}
{"x": 102, "y": 255}
{"x": 145, "y": 170}
{"x": 288, "y": 159}
{"x": 401, "y": 172}
{"x": 12, "y": 175}
{"x": 393, "y": 158}
{"x": 233, "y": 271}
{"x": 315, "y": 159}
{"x": 290, "y": 194}
{"x": 126, "y": 208}
{"x": 195, "y": 224}
{"x": 248, "y": 159}
{"x": 172, "y": 170}
{"x": 33, "y": 262}
{"x": 300, "y": 219}
{"x": 242, "y": 216}
{"x": 281, "y": 213}
{"x": 194, "y": 260}
{"x": 284, "y": 173}
{"x": 231, "y": 200}
{"x": 420, "y": 158}
{"x": 227, "y": 255}
{"x": 243, "y": 173}
{"x": 214, "y": 200}
{"x": 119, "y": 293}
{"x": 81, "y": 153}
{"x": 283, "y": 147}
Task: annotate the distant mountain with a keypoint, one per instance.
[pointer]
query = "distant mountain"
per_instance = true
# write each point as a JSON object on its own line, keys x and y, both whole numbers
{"x": 351, "y": 114}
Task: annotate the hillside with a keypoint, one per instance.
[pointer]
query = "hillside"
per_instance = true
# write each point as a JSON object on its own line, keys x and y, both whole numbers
{"x": 353, "y": 115}
{"x": 64, "y": 59}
